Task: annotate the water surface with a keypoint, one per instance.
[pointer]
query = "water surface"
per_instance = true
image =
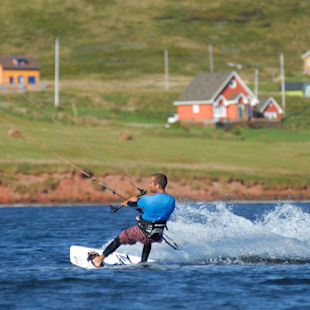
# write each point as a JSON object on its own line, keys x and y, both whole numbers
{"x": 234, "y": 256}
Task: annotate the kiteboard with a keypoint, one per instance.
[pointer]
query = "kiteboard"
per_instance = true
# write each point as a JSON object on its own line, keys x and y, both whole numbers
{"x": 79, "y": 255}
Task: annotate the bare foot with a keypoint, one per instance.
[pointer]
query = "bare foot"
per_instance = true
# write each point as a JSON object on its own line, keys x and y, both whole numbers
{"x": 96, "y": 260}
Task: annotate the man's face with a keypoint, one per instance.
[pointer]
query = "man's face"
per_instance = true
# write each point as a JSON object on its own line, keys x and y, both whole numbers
{"x": 152, "y": 186}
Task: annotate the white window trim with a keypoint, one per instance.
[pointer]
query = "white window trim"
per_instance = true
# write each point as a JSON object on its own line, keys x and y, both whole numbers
{"x": 196, "y": 108}
{"x": 232, "y": 84}
{"x": 219, "y": 110}
{"x": 270, "y": 115}
{"x": 219, "y": 99}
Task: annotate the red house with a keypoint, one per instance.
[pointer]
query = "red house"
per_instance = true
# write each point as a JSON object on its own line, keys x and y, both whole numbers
{"x": 217, "y": 97}
{"x": 268, "y": 108}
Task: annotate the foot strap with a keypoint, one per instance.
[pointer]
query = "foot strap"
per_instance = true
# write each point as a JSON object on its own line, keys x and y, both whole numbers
{"x": 91, "y": 256}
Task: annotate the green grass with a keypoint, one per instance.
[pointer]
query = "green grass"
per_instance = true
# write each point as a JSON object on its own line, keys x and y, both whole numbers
{"x": 125, "y": 40}
{"x": 296, "y": 93}
{"x": 144, "y": 107}
{"x": 297, "y": 114}
{"x": 111, "y": 79}
{"x": 265, "y": 156}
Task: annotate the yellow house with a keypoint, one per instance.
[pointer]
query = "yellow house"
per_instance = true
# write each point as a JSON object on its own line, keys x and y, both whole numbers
{"x": 306, "y": 59}
{"x": 19, "y": 72}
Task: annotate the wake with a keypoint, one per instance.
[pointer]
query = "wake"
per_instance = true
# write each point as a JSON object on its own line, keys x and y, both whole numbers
{"x": 213, "y": 234}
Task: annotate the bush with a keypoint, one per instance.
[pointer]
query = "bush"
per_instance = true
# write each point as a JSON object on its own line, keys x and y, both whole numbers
{"x": 236, "y": 131}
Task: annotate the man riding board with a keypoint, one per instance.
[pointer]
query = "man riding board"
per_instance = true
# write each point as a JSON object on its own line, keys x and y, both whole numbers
{"x": 156, "y": 212}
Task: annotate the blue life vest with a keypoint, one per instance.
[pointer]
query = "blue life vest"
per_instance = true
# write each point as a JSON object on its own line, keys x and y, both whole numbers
{"x": 156, "y": 211}
{"x": 157, "y": 207}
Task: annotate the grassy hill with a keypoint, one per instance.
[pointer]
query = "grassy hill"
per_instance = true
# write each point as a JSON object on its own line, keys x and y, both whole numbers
{"x": 125, "y": 39}
{"x": 112, "y": 51}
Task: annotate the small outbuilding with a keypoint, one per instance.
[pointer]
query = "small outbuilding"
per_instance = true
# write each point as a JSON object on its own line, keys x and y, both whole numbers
{"x": 268, "y": 108}
{"x": 19, "y": 72}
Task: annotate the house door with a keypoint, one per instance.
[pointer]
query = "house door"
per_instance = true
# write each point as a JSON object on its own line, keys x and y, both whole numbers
{"x": 240, "y": 110}
{"x": 250, "y": 112}
{"x": 21, "y": 80}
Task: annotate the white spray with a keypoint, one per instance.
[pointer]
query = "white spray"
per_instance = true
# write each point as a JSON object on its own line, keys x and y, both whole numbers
{"x": 212, "y": 233}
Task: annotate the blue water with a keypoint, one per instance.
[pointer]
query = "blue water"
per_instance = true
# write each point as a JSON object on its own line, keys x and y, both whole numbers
{"x": 234, "y": 256}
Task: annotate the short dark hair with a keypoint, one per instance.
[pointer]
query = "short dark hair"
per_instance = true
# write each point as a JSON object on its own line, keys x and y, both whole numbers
{"x": 160, "y": 179}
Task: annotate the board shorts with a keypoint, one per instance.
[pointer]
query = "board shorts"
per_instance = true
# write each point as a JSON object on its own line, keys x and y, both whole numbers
{"x": 134, "y": 234}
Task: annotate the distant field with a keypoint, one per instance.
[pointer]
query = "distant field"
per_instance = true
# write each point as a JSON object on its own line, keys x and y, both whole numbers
{"x": 265, "y": 156}
{"x": 137, "y": 101}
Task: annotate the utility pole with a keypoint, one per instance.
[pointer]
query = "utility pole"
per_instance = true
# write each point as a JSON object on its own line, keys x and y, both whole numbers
{"x": 282, "y": 80}
{"x": 166, "y": 71}
{"x": 56, "y": 73}
{"x": 211, "y": 58}
{"x": 256, "y": 83}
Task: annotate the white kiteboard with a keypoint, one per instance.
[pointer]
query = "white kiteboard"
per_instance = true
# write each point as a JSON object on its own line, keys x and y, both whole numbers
{"x": 79, "y": 255}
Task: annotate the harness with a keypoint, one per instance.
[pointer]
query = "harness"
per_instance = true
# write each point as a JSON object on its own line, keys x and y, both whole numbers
{"x": 152, "y": 229}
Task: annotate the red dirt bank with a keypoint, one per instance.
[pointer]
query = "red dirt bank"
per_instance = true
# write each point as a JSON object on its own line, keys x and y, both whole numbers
{"x": 74, "y": 188}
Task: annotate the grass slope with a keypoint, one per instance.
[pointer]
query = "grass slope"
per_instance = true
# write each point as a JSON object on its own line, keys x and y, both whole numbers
{"x": 126, "y": 39}
{"x": 265, "y": 156}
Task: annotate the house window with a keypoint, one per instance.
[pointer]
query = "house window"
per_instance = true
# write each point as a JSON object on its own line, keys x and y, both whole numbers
{"x": 21, "y": 61}
{"x": 31, "y": 79}
{"x": 11, "y": 80}
{"x": 232, "y": 84}
{"x": 219, "y": 111}
{"x": 250, "y": 111}
{"x": 270, "y": 115}
{"x": 196, "y": 108}
{"x": 308, "y": 62}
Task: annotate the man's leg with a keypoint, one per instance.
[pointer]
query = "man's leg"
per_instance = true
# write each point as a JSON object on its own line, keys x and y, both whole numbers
{"x": 130, "y": 235}
{"x": 146, "y": 252}
{"x": 97, "y": 261}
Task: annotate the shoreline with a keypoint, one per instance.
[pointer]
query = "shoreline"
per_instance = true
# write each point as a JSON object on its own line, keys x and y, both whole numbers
{"x": 72, "y": 205}
{"x": 74, "y": 189}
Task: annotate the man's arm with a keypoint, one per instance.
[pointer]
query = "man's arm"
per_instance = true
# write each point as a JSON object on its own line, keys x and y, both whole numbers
{"x": 132, "y": 202}
{"x": 132, "y": 199}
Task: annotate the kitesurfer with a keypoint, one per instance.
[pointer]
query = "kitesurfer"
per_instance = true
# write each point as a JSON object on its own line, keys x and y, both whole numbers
{"x": 156, "y": 208}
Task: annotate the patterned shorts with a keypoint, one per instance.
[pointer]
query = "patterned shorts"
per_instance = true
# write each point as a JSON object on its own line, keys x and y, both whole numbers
{"x": 132, "y": 235}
